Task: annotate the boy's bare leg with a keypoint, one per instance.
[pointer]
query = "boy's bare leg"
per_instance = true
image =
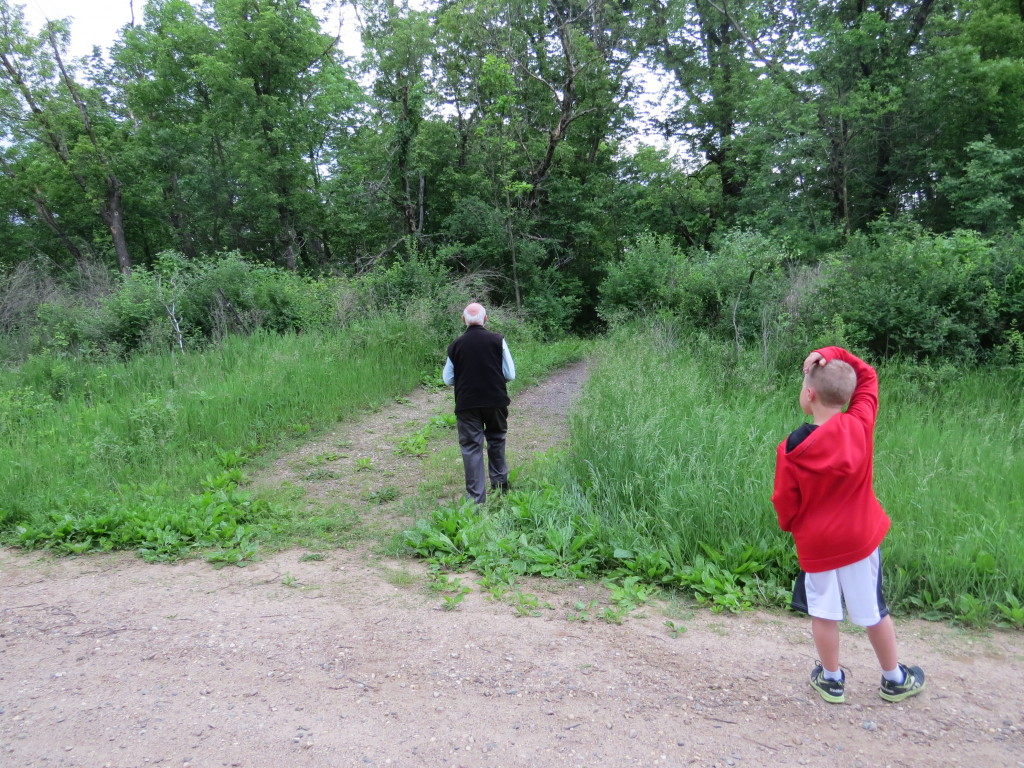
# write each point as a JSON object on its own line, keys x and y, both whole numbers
{"x": 883, "y": 639}
{"x": 826, "y": 641}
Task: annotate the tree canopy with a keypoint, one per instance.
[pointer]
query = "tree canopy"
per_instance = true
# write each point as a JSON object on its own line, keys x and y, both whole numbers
{"x": 500, "y": 137}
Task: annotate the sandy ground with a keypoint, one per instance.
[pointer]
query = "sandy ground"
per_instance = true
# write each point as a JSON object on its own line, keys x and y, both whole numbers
{"x": 350, "y": 661}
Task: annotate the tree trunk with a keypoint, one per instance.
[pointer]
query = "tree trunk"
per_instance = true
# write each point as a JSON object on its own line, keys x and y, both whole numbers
{"x": 172, "y": 196}
{"x": 113, "y": 214}
{"x": 288, "y": 235}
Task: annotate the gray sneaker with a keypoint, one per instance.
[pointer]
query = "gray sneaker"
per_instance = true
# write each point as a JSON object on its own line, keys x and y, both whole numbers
{"x": 832, "y": 691}
{"x": 913, "y": 684}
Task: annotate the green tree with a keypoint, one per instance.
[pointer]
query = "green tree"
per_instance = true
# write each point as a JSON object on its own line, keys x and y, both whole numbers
{"x": 970, "y": 99}
{"x": 182, "y": 159}
{"x": 539, "y": 92}
{"x": 986, "y": 195}
{"x": 398, "y": 45}
{"x": 276, "y": 76}
{"x": 718, "y": 56}
{"x": 61, "y": 139}
{"x": 236, "y": 104}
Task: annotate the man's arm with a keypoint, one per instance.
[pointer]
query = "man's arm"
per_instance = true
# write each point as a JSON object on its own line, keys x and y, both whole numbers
{"x": 448, "y": 373}
{"x": 508, "y": 367}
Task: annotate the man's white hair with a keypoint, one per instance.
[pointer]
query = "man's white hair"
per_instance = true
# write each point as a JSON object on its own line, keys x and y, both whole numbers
{"x": 474, "y": 314}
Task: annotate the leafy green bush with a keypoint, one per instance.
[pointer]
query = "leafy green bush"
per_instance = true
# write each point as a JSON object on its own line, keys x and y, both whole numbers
{"x": 156, "y": 526}
{"x": 136, "y": 312}
{"x": 73, "y": 327}
{"x": 232, "y": 295}
{"x": 519, "y": 267}
{"x": 645, "y": 280}
{"x": 985, "y": 195}
{"x": 928, "y": 297}
{"x": 734, "y": 291}
{"x": 183, "y": 304}
{"x": 51, "y": 375}
{"x": 896, "y": 292}
{"x": 741, "y": 285}
{"x": 421, "y": 287}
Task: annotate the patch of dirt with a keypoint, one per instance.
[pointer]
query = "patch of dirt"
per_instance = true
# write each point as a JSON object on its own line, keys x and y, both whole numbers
{"x": 350, "y": 661}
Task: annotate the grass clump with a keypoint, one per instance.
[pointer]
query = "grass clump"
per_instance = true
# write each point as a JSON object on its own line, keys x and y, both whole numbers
{"x": 157, "y": 526}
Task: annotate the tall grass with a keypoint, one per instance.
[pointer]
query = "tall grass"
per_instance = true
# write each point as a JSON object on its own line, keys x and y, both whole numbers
{"x": 950, "y": 471}
{"x": 81, "y": 437}
{"x": 674, "y": 447}
{"x": 674, "y": 440}
{"x": 670, "y": 472}
{"x": 145, "y": 454}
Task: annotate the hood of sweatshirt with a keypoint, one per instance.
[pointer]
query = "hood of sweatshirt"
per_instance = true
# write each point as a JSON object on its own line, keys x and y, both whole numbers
{"x": 840, "y": 446}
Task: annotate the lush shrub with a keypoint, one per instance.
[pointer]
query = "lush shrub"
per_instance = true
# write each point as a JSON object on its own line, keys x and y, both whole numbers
{"x": 519, "y": 268}
{"x": 179, "y": 304}
{"x": 63, "y": 327}
{"x": 896, "y": 292}
{"x": 735, "y": 291}
{"x": 136, "y": 313}
{"x": 645, "y": 280}
{"x": 928, "y": 297}
{"x": 232, "y": 295}
{"x": 550, "y": 301}
{"x": 742, "y": 284}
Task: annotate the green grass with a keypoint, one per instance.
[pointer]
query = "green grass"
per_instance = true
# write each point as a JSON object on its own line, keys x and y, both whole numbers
{"x": 678, "y": 444}
{"x": 670, "y": 472}
{"x": 149, "y": 454}
{"x": 950, "y": 471}
{"x": 141, "y": 436}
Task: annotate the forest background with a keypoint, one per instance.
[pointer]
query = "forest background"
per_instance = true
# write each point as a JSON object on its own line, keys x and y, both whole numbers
{"x": 223, "y": 188}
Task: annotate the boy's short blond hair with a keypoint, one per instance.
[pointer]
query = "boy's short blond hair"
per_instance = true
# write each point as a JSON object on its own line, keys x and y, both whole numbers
{"x": 834, "y": 382}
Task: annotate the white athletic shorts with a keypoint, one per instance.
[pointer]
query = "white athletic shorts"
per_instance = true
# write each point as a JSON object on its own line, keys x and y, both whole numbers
{"x": 859, "y": 586}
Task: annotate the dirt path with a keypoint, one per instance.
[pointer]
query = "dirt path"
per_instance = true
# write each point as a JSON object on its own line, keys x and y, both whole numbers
{"x": 349, "y": 661}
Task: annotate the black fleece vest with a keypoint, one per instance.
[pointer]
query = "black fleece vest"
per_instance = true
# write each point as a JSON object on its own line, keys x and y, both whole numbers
{"x": 479, "y": 381}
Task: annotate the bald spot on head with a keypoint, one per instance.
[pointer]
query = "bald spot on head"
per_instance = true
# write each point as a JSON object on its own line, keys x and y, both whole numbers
{"x": 474, "y": 314}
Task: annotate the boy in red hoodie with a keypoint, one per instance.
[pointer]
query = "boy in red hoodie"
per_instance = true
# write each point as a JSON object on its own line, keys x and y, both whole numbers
{"x": 824, "y": 497}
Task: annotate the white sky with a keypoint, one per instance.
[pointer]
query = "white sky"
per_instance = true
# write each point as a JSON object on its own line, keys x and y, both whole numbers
{"x": 97, "y": 22}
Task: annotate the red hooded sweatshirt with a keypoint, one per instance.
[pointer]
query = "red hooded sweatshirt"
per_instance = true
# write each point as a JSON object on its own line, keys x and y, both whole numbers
{"x": 823, "y": 492}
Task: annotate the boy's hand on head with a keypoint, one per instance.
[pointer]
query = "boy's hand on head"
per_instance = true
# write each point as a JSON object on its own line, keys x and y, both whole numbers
{"x": 815, "y": 358}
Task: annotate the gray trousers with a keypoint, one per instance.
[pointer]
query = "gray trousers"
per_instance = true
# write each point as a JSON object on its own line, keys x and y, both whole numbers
{"x": 475, "y": 427}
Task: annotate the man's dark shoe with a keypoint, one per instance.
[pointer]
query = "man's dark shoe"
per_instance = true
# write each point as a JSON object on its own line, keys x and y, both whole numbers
{"x": 502, "y": 487}
{"x": 913, "y": 684}
{"x": 832, "y": 691}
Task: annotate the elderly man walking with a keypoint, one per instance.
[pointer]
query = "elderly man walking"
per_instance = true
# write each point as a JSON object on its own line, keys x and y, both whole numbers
{"x": 478, "y": 365}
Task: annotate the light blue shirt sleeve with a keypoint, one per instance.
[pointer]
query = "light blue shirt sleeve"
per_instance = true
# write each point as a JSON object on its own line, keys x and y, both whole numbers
{"x": 508, "y": 367}
{"x": 448, "y": 374}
